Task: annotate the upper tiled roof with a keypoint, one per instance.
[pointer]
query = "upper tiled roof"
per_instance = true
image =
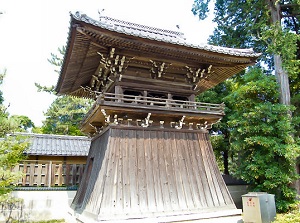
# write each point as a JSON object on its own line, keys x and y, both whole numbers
{"x": 58, "y": 145}
{"x": 91, "y": 42}
{"x": 157, "y": 34}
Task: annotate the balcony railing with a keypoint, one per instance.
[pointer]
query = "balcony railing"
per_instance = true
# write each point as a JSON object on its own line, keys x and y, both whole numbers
{"x": 166, "y": 103}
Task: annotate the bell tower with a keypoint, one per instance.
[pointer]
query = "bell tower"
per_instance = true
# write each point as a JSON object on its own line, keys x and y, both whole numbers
{"x": 150, "y": 157}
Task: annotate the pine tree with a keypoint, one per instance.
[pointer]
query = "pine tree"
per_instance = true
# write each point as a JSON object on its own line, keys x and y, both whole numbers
{"x": 65, "y": 114}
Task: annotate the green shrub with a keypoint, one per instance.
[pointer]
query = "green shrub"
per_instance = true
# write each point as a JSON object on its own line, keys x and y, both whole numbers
{"x": 292, "y": 217}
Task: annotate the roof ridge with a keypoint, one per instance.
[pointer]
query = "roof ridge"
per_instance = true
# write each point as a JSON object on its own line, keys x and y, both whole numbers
{"x": 50, "y": 135}
{"x": 167, "y": 36}
{"x": 141, "y": 26}
{"x": 112, "y": 23}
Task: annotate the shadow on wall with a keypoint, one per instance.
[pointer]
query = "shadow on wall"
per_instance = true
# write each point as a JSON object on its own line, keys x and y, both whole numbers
{"x": 237, "y": 188}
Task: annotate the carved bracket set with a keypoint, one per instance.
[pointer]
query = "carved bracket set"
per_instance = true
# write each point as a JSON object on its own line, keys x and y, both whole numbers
{"x": 148, "y": 123}
{"x": 158, "y": 69}
{"x": 194, "y": 75}
{"x": 111, "y": 63}
{"x": 112, "y": 67}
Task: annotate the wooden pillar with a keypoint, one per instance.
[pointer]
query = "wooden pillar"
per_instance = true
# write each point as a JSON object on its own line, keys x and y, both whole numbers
{"x": 119, "y": 92}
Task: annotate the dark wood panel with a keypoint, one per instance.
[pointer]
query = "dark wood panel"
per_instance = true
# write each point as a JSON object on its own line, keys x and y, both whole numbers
{"x": 168, "y": 152}
{"x": 47, "y": 173}
{"x": 133, "y": 170}
{"x": 141, "y": 172}
{"x": 149, "y": 172}
{"x": 146, "y": 172}
{"x": 156, "y": 173}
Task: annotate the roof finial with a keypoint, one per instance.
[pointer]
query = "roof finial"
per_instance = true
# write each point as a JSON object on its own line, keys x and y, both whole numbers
{"x": 100, "y": 13}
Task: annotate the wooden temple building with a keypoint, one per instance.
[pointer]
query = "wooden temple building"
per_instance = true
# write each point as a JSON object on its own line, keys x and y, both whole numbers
{"x": 150, "y": 156}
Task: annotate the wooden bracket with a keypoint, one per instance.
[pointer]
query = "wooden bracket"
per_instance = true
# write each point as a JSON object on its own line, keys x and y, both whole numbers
{"x": 90, "y": 92}
{"x": 158, "y": 69}
{"x": 180, "y": 124}
{"x": 161, "y": 124}
{"x": 116, "y": 119}
{"x": 145, "y": 124}
{"x": 194, "y": 75}
{"x": 114, "y": 64}
{"x": 107, "y": 117}
{"x": 94, "y": 127}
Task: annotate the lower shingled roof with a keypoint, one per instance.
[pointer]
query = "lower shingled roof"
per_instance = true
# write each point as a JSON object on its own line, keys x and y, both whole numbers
{"x": 58, "y": 145}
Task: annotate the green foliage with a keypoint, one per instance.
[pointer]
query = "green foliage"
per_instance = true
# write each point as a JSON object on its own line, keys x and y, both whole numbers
{"x": 256, "y": 135}
{"x": 2, "y": 75}
{"x": 57, "y": 59}
{"x": 261, "y": 136}
{"x": 11, "y": 208}
{"x": 285, "y": 43}
{"x": 65, "y": 115}
{"x": 200, "y": 8}
{"x": 292, "y": 217}
{"x": 45, "y": 88}
{"x": 13, "y": 123}
{"x": 11, "y": 152}
{"x": 22, "y": 121}
{"x": 218, "y": 143}
{"x": 37, "y": 130}
{"x": 241, "y": 25}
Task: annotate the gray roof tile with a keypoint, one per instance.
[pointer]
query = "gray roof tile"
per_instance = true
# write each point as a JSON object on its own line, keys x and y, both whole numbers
{"x": 58, "y": 145}
{"x": 158, "y": 34}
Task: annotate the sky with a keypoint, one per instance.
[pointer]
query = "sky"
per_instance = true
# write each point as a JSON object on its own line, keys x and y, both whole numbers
{"x": 30, "y": 30}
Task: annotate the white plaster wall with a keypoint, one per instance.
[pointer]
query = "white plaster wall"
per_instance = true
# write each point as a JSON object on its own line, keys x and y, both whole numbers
{"x": 45, "y": 205}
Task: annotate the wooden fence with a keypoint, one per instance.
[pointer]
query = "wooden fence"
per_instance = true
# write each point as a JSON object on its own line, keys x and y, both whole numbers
{"x": 49, "y": 173}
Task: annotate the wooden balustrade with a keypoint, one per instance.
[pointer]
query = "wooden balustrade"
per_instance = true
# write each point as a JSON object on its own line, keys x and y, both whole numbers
{"x": 49, "y": 173}
{"x": 161, "y": 102}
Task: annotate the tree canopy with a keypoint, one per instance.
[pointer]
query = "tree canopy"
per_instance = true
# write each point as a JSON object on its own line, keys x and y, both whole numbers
{"x": 262, "y": 145}
{"x": 11, "y": 148}
{"x": 257, "y": 140}
{"x": 268, "y": 26}
{"x": 65, "y": 114}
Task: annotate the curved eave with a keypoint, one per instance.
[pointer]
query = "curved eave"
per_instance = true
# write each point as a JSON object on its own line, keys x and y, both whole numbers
{"x": 181, "y": 42}
{"x": 66, "y": 59}
{"x": 175, "y": 49}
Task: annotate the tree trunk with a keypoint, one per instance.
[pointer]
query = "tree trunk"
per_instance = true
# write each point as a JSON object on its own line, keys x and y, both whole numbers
{"x": 283, "y": 81}
{"x": 225, "y": 162}
{"x": 281, "y": 75}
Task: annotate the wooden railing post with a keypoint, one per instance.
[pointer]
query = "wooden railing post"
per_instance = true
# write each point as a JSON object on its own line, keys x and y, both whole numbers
{"x": 169, "y": 100}
{"x": 50, "y": 174}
